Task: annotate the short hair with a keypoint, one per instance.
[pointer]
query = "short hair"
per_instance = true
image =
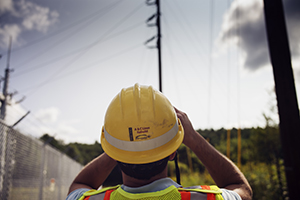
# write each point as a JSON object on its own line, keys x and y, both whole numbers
{"x": 144, "y": 171}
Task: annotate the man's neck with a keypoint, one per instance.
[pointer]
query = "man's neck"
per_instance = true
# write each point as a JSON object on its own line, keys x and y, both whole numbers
{"x": 133, "y": 182}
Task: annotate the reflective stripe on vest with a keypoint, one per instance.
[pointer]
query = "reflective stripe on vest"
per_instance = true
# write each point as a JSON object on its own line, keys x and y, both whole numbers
{"x": 204, "y": 192}
{"x": 201, "y": 193}
{"x": 209, "y": 196}
{"x": 89, "y": 195}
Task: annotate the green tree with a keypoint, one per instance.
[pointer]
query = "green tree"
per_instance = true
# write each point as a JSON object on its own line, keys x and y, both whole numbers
{"x": 58, "y": 144}
{"x": 266, "y": 148}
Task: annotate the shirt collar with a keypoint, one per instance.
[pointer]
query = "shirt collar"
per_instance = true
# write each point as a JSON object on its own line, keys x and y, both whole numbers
{"x": 155, "y": 186}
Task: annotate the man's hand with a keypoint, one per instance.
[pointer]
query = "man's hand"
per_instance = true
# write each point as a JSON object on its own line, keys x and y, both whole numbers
{"x": 224, "y": 172}
{"x": 187, "y": 126}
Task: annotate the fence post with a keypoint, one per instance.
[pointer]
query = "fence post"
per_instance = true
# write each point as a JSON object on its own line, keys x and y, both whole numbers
{"x": 3, "y": 190}
{"x": 59, "y": 175}
{"x": 42, "y": 173}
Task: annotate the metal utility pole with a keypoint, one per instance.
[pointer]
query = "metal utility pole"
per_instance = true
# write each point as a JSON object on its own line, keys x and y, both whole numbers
{"x": 158, "y": 36}
{"x": 5, "y": 87}
{"x": 288, "y": 109}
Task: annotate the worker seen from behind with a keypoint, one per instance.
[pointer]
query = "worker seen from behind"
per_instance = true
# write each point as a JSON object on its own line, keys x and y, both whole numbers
{"x": 141, "y": 133}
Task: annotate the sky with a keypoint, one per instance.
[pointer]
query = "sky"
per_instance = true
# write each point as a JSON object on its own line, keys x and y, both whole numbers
{"x": 69, "y": 58}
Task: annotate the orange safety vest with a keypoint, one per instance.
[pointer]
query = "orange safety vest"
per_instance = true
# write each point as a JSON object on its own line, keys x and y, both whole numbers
{"x": 111, "y": 193}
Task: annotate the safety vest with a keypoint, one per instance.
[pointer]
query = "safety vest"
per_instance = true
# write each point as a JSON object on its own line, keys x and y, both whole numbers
{"x": 117, "y": 193}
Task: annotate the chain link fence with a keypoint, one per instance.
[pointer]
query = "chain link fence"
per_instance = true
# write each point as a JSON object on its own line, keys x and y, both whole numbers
{"x": 31, "y": 169}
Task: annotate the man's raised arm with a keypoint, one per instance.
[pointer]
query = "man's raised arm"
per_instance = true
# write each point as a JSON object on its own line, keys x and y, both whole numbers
{"x": 94, "y": 174}
{"x": 224, "y": 172}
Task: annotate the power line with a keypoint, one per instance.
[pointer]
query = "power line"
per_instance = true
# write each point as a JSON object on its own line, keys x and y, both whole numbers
{"x": 85, "y": 50}
{"x": 82, "y": 69}
{"x": 196, "y": 39}
{"x": 228, "y": 76}
{"x": 96, "y": 63}
{"x": 186, "y": 22}
{"x": 210, "y": 62}
{"x": 63, "y": 39}
{"x": 35, "y": 41}
{"x": 33, "y": 124}
{"x": 42, "y": 65}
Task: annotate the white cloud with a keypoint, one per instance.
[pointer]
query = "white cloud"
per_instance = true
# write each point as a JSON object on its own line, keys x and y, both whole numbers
{"x": 48, "y": 115}
{"x": 296, "y": 68}
{"x": 36, "y": 17}
{"x": 9, "y": 30}
{"x": 292, "y": 10}
{"x": 6, "y": 5}
{"x": 44, "y": 121}
{"x": 23, "y": 15}
{"x": 67, "y": 132}
{"x": 244, "y": 26}
{"x": 67, "y": 129}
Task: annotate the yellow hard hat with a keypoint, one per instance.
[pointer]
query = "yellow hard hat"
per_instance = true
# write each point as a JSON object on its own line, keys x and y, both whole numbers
{"x": 140, "y": 126}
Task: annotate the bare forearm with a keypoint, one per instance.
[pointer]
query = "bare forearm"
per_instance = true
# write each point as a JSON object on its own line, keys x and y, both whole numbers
{"x": 222, "y": 170}
{"x": 94, "y": 174}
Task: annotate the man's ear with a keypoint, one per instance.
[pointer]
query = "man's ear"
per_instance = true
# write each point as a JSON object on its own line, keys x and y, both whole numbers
{"x": 172, "y": 156}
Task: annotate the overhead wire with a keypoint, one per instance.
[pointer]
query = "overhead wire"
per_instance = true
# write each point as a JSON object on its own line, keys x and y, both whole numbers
{"x": 209, "y": 65}
{"x": 181, "y": 46}
{"x": 238, "y": 66}
{"x": 228, "y": 75}
{"x": 149, "y": 62}
{"x": 54, "y": 33}
{"x": 117, "y": 54}
{"x": 104, "y": 59}
{"x": 187, "y": 22}
{"x": 54, "y": 60}
{"x": 33, "y": 125}
{"x": 214, "y": 73}
{"x": 147, "y": 34}
{"x": 193, "y": 42}
{"x": 87, "y": 48}
{"x": 209, "y": 98}
{"x": 172, "y": 65}
{"x": 63, "y": 39}
{"x": 187, "y": 34}
{"x": 40, "y": 122}
{"x": 96, "y": 63}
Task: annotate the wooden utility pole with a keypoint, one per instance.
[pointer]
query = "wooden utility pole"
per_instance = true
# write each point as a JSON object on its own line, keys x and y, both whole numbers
{"x": 158, "y": 36}
{"x": 289, "y": 121}
{"x": 239, "y": 146}
{"x": 228, "y": 143}
{"x": 5, "y": 86}
{"x": 159, "y": 45}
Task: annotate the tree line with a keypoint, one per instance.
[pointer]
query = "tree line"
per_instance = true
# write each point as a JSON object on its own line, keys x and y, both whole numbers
{"x": 261, "y": 158}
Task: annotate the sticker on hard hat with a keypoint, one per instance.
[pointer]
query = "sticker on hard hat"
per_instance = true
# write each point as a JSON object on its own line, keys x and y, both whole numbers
{"x": 142, "y": 129}
{"x": 142, "y": 133}
{"x": 142, "y": 137}
{"x": 130, "y": 134}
